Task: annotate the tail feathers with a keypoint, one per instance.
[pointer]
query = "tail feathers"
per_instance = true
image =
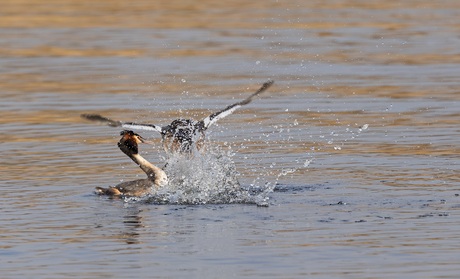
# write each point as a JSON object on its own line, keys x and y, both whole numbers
{"x": 111, "y": 191}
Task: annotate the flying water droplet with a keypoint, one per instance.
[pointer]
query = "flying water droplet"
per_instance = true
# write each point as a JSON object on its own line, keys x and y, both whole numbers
{"x": 364, "y": 127}
{"x": 307, "y": 163}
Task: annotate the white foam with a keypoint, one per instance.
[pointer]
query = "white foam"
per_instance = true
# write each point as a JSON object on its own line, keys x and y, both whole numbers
{"x": 209, "y": 178}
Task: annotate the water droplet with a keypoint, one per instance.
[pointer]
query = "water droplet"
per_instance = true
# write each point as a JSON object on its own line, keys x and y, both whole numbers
{"x": 286, "y": 172}
{"x": 364, "y": 127}
{"x": 307, "y": 163}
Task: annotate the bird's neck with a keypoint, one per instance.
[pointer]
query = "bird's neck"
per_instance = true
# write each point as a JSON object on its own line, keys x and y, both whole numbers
{"x": 154, "y": 173}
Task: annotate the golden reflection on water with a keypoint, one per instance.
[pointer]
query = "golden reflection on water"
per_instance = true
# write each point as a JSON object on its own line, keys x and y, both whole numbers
{"x": 339, "y": 66}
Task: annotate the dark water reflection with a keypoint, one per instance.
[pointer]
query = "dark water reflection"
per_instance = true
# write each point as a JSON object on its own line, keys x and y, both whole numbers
{"x": 360, "y": 132}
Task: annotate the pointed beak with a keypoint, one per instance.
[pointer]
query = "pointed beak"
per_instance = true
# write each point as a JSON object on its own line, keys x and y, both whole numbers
{"x": 146, "y": 141}
{"x": 143, "y": 140}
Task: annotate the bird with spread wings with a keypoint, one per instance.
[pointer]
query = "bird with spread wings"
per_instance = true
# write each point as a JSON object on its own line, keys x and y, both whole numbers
{"x": 182, "y": 135}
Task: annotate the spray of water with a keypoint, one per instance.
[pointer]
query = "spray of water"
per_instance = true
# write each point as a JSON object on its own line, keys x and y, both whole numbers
{"x": 206, "y": 178}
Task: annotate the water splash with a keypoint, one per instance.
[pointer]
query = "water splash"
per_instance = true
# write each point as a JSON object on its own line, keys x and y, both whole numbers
{"x": 307, "y": 162}
{"x": 364, "y": 127}
{"x": 209, "y": 178}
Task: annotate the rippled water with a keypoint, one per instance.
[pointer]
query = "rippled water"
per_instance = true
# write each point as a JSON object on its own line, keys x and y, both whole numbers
{"x": 359, "y": 134}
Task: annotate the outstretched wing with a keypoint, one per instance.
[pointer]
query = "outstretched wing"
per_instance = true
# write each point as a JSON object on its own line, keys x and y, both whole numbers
{"x": 208, "y": 121}
{"x": 126, "y": 125}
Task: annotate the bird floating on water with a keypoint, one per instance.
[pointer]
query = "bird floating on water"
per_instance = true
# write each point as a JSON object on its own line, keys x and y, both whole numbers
{"x": 156, "y": 177}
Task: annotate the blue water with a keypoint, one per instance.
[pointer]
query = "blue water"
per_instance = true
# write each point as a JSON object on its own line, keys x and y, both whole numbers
{"x": 358, "y": 139}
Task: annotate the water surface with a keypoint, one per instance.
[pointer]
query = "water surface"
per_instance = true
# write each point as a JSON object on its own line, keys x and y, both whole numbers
{"x": 359, "y": 134}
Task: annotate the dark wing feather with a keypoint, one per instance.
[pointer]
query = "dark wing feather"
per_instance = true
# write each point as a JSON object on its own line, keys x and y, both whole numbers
{"x": 126, "y": 125}
{"x": 211, "y": 119}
